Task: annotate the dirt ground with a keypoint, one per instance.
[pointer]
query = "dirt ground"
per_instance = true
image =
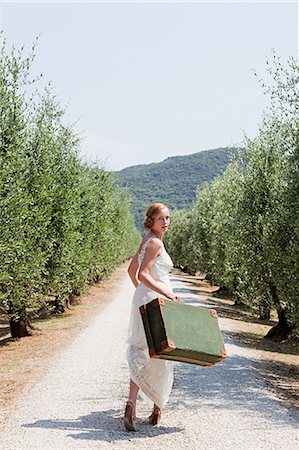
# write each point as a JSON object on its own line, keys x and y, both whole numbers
{"x": 277, "y": 361}
{"x": 24, "y": 362}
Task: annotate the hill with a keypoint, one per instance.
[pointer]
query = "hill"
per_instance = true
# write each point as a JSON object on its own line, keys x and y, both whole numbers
{"x": 173, "y": 181}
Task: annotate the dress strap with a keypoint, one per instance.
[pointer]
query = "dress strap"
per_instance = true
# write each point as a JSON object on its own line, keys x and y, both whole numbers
{"x": 143, "y": 248}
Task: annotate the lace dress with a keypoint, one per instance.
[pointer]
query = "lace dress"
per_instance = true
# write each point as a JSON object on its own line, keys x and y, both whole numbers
{"x": 153, "y": 376}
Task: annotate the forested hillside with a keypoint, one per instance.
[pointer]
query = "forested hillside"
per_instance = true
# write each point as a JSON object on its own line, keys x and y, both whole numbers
{"x": 173, "y": 181}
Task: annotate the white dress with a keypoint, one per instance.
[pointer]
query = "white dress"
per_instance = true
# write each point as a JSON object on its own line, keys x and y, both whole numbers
{"x": 153, "y": 376}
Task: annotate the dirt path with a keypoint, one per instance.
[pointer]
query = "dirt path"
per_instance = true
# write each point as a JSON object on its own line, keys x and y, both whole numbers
{"x": 79, "y": 403}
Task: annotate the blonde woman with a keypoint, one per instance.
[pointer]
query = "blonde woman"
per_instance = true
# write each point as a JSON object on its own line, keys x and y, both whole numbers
{"x": 149, "y": 271}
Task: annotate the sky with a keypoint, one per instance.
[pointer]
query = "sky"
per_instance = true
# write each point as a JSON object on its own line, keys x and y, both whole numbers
{"x": 143, "y": 81}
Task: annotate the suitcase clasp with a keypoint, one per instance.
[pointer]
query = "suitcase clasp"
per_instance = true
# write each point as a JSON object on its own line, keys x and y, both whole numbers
{"x": 168, "y": 346}
{"x": 223, "y": 353}
{"x": 213, "y": 313}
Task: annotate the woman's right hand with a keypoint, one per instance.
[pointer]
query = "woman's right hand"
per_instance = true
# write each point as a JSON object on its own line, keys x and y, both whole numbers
{"x": 172, "y": 297}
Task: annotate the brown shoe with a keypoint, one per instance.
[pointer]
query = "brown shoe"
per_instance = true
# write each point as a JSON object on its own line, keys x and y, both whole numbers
{"x": 155, "y": 417}
{"x": 129, "y": 418}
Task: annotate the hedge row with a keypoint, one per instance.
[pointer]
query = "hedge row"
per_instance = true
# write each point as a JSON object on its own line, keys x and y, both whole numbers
{"x": 243, "y": 229}
{"x": 63, "y": 223}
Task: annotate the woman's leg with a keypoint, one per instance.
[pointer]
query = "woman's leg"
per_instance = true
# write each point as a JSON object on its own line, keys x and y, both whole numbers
{"x": 130, "y": 411}
{"x": 133, "y": 392}
{"x": 155, "y": 416}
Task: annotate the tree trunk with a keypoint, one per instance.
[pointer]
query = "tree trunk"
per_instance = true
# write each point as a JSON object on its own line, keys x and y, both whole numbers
{"x": 210, "y": 278}
{"x": 282, "y": 330}
{"x": 18, "y": 327}
{"x": 56, "y": 304}
{"x": 239, "y": 303}
{"x": 59, "y": 305}
{"x": 265, "y": 311}
{"x": 265, "y": 314}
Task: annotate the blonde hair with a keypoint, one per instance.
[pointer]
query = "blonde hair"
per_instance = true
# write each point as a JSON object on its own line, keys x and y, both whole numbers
{"x": 152, "y": 211}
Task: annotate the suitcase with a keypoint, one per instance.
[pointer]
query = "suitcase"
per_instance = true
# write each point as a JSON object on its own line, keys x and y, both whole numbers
{"x": 184, "y": 333}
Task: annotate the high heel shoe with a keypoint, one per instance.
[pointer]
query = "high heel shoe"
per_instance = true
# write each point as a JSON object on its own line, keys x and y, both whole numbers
{"x": 129, "y": 417}
{"x": 155, "y": 417}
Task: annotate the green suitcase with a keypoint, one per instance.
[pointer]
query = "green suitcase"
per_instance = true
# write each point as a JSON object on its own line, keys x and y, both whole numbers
{"x": 184, "y": 333}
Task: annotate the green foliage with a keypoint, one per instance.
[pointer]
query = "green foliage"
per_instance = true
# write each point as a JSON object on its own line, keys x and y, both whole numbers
{"x": 176, "y": 239}
{"x": 63, "y": 224}
{"x": 243, "y": 229}
{"x": 173, "y": 181}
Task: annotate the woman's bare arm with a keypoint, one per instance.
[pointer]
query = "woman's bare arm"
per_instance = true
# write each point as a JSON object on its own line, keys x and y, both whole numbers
{"x": 152, "y": 251}
{"x": 133, "y": 269}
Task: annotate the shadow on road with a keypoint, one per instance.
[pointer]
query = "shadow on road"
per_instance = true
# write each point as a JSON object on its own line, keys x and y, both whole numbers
{"x": 103, "y": 426}
{"x": 234, "y": 384}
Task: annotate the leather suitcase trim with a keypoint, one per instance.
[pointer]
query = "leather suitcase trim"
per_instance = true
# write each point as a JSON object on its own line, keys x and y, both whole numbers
{"x": 184, "y": 359}
{"x": 168, "y": 346}
{"x": 152, "y": 352}
{"x": 158, "y": 302}
{"x": 149, "y": 338}
{"x": 142, "y": 309}
{"x": 213, "y": 313}
{"x": 223, "y": 353}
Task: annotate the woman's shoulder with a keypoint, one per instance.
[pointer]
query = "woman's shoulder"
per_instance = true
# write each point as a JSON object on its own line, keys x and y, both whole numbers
{"x": 155, "y": 243}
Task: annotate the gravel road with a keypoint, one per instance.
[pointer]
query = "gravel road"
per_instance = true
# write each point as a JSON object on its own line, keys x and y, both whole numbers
{"x": 79, "y": 404}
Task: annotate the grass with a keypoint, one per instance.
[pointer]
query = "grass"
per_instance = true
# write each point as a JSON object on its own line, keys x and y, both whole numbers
{"x": 56, "y": 322}
{"x": 10, "y": 366}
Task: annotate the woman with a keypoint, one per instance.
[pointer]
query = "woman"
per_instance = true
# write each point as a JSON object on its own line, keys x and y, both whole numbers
{"x": 149, "y": 272}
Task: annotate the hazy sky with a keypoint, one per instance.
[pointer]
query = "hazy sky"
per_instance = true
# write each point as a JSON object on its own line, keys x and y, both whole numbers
{"x": 148, "y": 80}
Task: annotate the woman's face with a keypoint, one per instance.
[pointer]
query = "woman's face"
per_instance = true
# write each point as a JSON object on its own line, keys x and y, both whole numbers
{"x": 161, "y": 221}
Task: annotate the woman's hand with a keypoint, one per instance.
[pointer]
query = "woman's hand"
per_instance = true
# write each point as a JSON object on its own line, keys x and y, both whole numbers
{"x": 172, "y": 297}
